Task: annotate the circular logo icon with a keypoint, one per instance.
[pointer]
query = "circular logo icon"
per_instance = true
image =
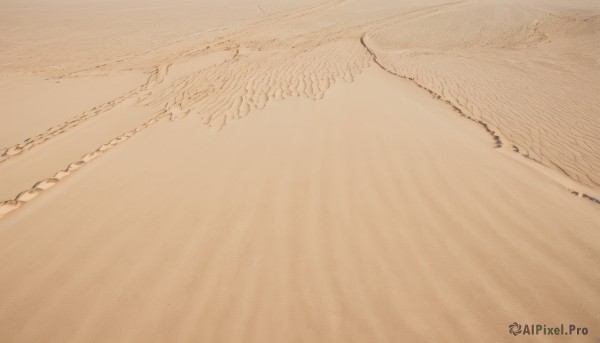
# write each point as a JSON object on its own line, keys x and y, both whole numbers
{"x": 514, "y": 328}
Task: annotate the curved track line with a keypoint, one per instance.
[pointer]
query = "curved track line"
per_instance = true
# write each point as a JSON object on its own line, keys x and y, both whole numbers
{"x": 495, "y": 136}
{"x": 22, "y": 198}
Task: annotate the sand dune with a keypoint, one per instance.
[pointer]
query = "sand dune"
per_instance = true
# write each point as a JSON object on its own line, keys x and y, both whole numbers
{"x": 531, "y": 72}
{"x": 334, "y": 171}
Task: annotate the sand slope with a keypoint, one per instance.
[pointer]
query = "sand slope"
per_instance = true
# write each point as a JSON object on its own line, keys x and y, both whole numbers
{"x": 531, "y": 70}
{"x": 316, "y": 172}
{"x": 308, "y": 221}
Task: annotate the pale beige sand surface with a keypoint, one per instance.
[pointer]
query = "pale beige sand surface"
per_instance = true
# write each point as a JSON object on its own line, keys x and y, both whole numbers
{"x": 299, "y": 172}
{"x": 307, "y": 221}
{"x": 31, "y": 104}
{"x": 531, "y": 69}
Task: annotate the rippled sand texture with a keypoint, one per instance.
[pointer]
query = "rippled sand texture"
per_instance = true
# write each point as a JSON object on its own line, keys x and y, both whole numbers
{"x": 279, "y": 171}
{"x": 530, "y": 69}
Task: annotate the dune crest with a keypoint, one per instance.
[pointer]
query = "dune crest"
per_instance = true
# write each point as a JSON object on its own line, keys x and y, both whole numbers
{"x": 529, "y": 72}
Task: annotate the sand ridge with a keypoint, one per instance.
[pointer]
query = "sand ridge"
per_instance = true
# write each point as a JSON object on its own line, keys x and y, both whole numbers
{"x": 504, "y": 69}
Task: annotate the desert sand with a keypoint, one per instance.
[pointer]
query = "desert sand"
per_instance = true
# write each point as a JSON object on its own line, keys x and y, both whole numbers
{"x": 298, "y": 171}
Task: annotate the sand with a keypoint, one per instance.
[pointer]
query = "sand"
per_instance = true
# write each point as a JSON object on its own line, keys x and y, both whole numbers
{"x": 310, "y": 171}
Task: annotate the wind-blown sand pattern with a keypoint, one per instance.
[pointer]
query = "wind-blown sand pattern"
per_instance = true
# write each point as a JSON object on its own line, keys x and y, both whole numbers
{"x": 505, "y": 68}
{"x": 321, "y": 171}
{"x": 253, "y": 78}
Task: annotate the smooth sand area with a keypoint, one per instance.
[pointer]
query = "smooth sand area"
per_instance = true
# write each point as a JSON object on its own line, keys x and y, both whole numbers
{"x": 308, "y": 221}
{"x": 32, "y": 104}
{"x": 298, "y": 171}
